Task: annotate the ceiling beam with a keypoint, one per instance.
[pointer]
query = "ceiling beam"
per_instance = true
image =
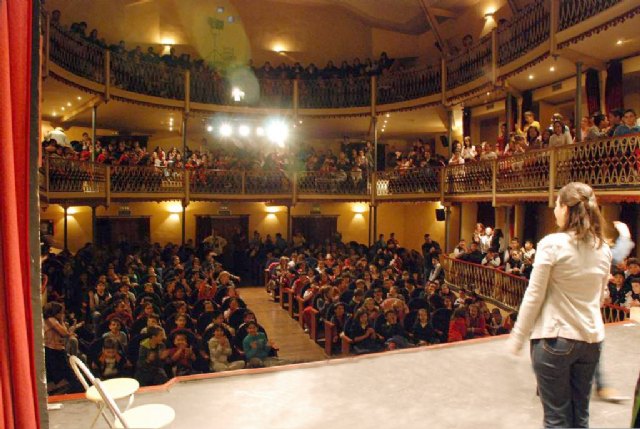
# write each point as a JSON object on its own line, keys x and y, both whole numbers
{"x": 96, "y": 100}
{"x": 445, "y": 13}
{"x": 431, "y": 19}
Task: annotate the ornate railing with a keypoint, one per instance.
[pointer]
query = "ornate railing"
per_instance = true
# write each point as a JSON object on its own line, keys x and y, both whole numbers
{"x": 471, "y": 65}
{"x": 267, "y": 182}
{"x": 130, "y": 179}
{"x": 490, "y": 283}
{"x": 408, "y": 85}
{"x": 335, "y": 182}
{"x": 208, "y": 87}
{"x": 603, "y": 163}
{"x": 614, "y": 313}
{"x": 145, "y": 77}
{"x": 74, "y": 176}
{"x": 413, "y": 181}
{"x": 76, "y": 55}
{"x": 471, "y": 178}
{"x": 335, "y": 92}
{"x": 525, "y": 32}
{"x": 206, "y": 181}
{"x": 573, "y": 12}
{"x": 525, "y": 172}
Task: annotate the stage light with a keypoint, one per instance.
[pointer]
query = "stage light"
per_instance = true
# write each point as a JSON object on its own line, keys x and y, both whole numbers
{"x": 279, "y": 48}
{"x": 226, "y": 130}
{"x": 209, "y": 128}
{"x": 244, "y": 130}
{"x": 260, "y": 132}
{"x": 79, "y": 98}
{"x": 237, "y": 94}
{"x": 278, "y": 132}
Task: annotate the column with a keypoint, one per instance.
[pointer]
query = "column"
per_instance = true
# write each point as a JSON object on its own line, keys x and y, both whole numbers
{"x": 519, "y": 213}
{"x": 289, "y": 225}
{"x": 94, "y": 225}
{"x": 185, "y": 116}
{"x": 375, "y": 223}
{"x": 94, "y": 117}
{"x": 66, "y": 229}
{"x": 450, "y": 131}
{"x": 183, "y": 223}
{"x": 447, "y": 229}
{"x": 509, "y": 113}
{"x": 578, "y": 107}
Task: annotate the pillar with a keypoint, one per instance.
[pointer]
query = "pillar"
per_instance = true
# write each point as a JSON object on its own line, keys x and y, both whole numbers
{"x": 66, "y": 229}
{"x": 578, "y": 107}
{"x": 375, "y": 223}
{"x": 447, "y": 229}
{"x": 289, "y": 224}
{"x": 94, "y": 224}
{"x": 509, "y": 113}
{"x": 94, "y": 118}
{"x": 519, "y": 214}
{"x": 450, "y": 131}
{"x": 183, "y": 223}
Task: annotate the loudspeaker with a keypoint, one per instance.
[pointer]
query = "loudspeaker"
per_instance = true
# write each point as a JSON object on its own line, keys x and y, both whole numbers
{"x": 440, "y": 215}
{"x": 445, "y": 141}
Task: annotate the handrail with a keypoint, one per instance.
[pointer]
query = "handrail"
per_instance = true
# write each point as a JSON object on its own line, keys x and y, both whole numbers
{"x": 132, "y": 71}
{"x": 495, "y": 284}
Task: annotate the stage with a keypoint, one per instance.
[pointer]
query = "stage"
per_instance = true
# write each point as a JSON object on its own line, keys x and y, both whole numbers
{"x": 471, "y": 384}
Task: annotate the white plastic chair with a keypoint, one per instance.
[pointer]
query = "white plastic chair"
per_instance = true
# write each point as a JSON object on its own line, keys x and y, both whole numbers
{"x": 152, "y": 416}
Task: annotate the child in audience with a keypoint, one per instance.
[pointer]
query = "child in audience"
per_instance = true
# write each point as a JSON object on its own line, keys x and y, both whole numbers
{"x": 633, "y": 297}
{"x": 181, "y": 356}
{"x": 363, "y": 336}
{"x": 115, "y": 333}
{"x": 257, "y": 348}
{"x": 220, "y": 350}
{"x": 111, "y": 361}
{"x": 458, "y": 327}
{"x": 392, "y": 332}
{"x": 422, "y": 332}
{"x": 151, "y": 358}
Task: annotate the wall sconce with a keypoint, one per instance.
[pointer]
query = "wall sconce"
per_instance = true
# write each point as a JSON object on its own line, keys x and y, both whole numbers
{"x": 359, "y": 208}
{"x": 174, "y": 208}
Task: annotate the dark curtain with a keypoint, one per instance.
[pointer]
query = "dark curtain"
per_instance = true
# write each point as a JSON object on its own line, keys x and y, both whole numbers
{"x": 527, "y": 104}
{"x": 466, "y": 121}
{"x": 613, "y": 87}
{"x": 514, "y": 110}
{"x": 18, "y": 392}
{"x": 592, "y": 88}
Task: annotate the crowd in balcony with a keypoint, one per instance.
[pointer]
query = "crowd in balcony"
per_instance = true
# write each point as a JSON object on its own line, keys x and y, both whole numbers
{"x": 148, "y": 311}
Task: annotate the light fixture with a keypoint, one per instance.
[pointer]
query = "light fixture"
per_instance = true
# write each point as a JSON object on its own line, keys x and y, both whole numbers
{"x": 359, "y": 208}
{"x": 237, "y": 94}
{"x": 619, "y": 42}
{"x": 260, "y": 131}
{"x": 174, "y": 208}
{"x": 209, "y": 128}
{"x": 79, "y": 98}
{"x": 552, "y": 68}
{"x": 279, "y": 48}
{"x": 168, "y": 41}
{"x": 244, "y": 130}
{"x": 530, "y": 77}
{"x": 388, "y": 115}
{"x": 278, "y": 132}
{"x": 300, "y": 121}
{"x": 272, "y": 209}
{"x": 68, "y": 104}
{"x": 170, "y": 128}
{"x": 225, "y": 130}
{"x": 488, "y": 93}
{"x": 54, "y": 114}
{"x": 220, "y": 9}
{"x": 62, "y": 108}
{"x": 488, "y": 16}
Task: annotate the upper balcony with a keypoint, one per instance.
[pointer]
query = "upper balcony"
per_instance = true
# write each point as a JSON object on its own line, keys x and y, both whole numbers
{"x": 610, "y": 166}
{"x": 543, "y": 28}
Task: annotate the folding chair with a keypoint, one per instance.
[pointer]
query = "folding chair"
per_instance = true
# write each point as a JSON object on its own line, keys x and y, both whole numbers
{"x": 144, "y": 416}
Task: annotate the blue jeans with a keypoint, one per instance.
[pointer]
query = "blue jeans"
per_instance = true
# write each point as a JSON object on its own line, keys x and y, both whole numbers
{"x": 564, "y": 371}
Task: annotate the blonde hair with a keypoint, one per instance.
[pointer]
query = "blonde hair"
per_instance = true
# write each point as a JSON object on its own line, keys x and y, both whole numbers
{"x": 583, "y": 214}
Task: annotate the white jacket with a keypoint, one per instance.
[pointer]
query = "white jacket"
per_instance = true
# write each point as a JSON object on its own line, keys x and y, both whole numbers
{"x": 565, "y": 292}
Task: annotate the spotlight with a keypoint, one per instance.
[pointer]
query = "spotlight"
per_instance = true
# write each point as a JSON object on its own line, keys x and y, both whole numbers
{"x": 79, "y": 98}
{"x": 260, "y": 131}
{"x": 244, "y": 130}
{"x": 209, "y": 128}
{"x": 237, "y": 94}
{"x": 277, "y": 132}
{"x": 226, "y": 130}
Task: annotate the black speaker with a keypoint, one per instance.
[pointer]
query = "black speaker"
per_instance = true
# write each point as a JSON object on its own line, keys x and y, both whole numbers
{"x": 445, "y": 141}
{"x": 440, "y": 215}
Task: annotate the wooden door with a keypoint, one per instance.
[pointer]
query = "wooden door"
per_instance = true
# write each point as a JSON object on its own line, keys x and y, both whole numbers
{"x": 112, "y": 230}
{"x": 316, "y": 229}
{"x": 225, "y": 226}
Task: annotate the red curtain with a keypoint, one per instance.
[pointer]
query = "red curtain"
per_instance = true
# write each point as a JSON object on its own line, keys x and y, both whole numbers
{"x": 613, "y": 86}
{"x": 592, "y": 88}
{"x": 18, "y": 397}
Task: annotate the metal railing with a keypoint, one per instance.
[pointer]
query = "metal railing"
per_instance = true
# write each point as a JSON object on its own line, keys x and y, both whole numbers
{"x": 470, "y": 178}
{"x": 135, "y": 179}
{"x": 134, "y": 74}
{"x": 75, "y": 54}
{"x": 204, "y": 181}
{"x": 573, "y": 12}
{"x": 412, "y": 181}
{"x": 468, "y": 66}
{"x": 335, "y": 92}
{"x": 526, "y": 31}
{"x": 525, "y": 172}
{"x": 74, "y": 176}
{"x": 614, "y": 313}
{"x": 408, "y": 85}
{"x": 334, "y": 183}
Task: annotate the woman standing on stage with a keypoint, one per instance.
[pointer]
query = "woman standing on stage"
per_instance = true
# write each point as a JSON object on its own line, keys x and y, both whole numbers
{"x": 560, "y": 312}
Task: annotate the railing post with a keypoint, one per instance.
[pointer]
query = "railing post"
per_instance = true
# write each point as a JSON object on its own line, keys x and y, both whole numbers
{"x": 244, "y": 182}
{"x": 295, "y": 102}
{"x": 578, "y": 111}
{"x": 47, "y": 45}
{"x": 47, "y": 171}
{"x": 374, "y": 96}
{"x": 187, "y": 186}
{"x": 554, "y": 17}
{"x": 374, "y": 187}
{"x": 494, "y": 56}
{"x": 443, "y": 175}
{"x": 187, "y": 91}
{"x": 107, "y": 187}
{"x": 107, "y": 75}
{"x": 294, "y": 188}
{"x": 443, "y": 79}
{"x": 552, "y": 176}
{"x": 494, "y": 180}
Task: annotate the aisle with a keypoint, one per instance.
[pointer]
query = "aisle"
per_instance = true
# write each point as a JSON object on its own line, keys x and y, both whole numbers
{"x": 293, "y": 342}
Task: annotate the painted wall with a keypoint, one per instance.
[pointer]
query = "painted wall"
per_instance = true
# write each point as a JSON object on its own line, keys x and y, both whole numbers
{"x": 398, "y": 45}
{"x": 468, "y": 220}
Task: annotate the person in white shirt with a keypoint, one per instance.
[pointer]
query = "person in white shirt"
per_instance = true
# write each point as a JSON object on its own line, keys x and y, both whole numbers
{"x": 468, "y": 150}
{"x": 492, "y": 259}
{"x": 560, "y": 137}
{"x": 560, "y": 311}
{"x": 486, "y": 239}
{"x": 528, "y": 251}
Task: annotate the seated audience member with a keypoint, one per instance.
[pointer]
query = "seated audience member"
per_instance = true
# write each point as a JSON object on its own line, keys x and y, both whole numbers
{"x": 115, "y": 333}
{"x": 460, "y": 249}
{"x": 458, "y": 326}
{"x": 476, "y": 325}
{"x": 363, "y": 336}
{"x": 392, "y": 332}
{"x": 495, "y": 326}
{"x": 220, "y": 350}
{"x": 474, "y": 255}
{"x": 181, "y": 356}
{"x": 151, "y": 358}
{"x": 111, "y": 361}
{"x": 628, "y": 125}
{"x": 528, "y": 251}
{"x": 257, "y": 348}
{"x": 515, "y": 265}
{"x": 617, "y": 291}
{"x": 422, "y": 332}
{"x": 492, "y": 258}
{"x": 633, "y": 296}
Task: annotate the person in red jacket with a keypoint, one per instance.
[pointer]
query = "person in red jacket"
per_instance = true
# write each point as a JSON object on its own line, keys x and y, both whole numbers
{"x": 458, "y": 325}
{"x": 476, "y": 324}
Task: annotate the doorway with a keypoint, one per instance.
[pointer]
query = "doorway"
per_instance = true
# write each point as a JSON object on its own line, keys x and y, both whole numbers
{"x": 234, "y": 229}
{"x": 316, "y": 229}
{"x": 116, "y": 231}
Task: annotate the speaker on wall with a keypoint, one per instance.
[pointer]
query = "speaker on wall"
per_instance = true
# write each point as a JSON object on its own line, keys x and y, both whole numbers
{"x": 440, "y": 215}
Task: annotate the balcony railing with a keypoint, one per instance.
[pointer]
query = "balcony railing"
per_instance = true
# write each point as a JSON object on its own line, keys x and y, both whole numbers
{"x": 526, "y": 31}
{"x": 335, "y": 92}
{"x": 610, "y": 164}
{"x": 490, "y": 283}
{"x": 573, "y": 12}
{"x": 408, "y": 85}
{"x": 468, "y": 66}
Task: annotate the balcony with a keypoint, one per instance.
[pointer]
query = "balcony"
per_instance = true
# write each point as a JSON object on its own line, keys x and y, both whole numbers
{"x": 610, "y": 166}
{"x": 542, "y": 28}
